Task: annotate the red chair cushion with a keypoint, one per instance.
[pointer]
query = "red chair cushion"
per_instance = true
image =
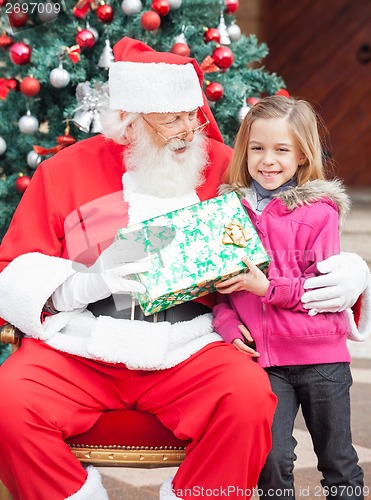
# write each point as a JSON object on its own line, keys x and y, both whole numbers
{"x": 128, "y": 428}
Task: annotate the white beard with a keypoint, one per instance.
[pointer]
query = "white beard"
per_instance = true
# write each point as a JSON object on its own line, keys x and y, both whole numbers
{"x": 161, "y": 172}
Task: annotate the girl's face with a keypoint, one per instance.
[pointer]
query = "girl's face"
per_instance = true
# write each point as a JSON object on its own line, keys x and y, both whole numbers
{"x": 273, "y": 155}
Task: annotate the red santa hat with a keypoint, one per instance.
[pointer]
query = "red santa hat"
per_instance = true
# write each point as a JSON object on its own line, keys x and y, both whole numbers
{"x": 142, "y": 80}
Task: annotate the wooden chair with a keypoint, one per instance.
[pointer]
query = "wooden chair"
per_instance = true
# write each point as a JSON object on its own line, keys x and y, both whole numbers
{"x": 120, "y": 438}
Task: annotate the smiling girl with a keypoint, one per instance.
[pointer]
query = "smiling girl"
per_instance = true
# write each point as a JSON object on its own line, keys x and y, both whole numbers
{"x": 278, "y": 169}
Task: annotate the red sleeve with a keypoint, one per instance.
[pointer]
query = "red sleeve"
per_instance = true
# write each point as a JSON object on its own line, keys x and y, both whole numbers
{"x": 36, "y": 225}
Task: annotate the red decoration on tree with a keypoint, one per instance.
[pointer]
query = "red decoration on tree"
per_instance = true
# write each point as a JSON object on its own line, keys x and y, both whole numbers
{"x": 223, "y": 57}
{"x": 208, "y": 65}
{"x": 212, "y": 35}
{"x": 17, "y": 19}
{"x": 85, "y": 39}
{"x": 21, "y": 183}
{"x": 231, "y": 6}
{"x": 214, "y": 91}
{"x": 5, "y": 41}
{"x": 74, "y": 53}
{"x": 181, "y": 49}
{"x": 29, "y": 86}
{"x": 252, "y": 100}
{"x": 3, "y": 2}
{"x": 20, "y": 53}
{"x": 82, "y": 8}
{"x": 6, "y": 85}
{"x": 62, "y": 142}
{"x": 283, "y": 92}
{"x": 150, "y": 21}
{"x": 105, "y": 13}
{"x": 162, "y": 7}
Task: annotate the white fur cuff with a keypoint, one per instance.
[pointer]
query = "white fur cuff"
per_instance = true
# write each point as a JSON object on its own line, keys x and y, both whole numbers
{"x": 92, "y": 489}
{"x": 26, "y": 284}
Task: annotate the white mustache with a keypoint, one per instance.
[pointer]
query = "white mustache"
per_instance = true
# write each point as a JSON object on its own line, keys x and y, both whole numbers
{"x": 177, "y": 144}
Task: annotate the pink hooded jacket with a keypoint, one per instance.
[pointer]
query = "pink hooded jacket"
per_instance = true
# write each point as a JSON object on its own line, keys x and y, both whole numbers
{"x": 298, "y": 228}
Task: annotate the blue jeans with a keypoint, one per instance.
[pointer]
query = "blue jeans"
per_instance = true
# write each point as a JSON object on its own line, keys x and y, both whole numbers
{"x": 322, "y": 391}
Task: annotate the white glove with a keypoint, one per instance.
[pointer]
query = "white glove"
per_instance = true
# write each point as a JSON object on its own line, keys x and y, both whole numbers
{"x": 104, "y": 278}
{"x": 344, "y": 278}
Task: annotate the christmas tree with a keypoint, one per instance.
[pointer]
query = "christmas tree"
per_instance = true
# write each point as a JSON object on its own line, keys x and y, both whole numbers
{"x": 55, "y": 58}
{"x": 47, "y": 49}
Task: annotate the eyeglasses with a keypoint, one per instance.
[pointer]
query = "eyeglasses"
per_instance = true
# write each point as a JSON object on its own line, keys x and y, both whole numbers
{"x": 182, "y": 135}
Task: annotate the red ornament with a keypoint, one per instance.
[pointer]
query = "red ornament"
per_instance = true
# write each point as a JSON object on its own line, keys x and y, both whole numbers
{"x": 17, "y": 19}
{"x": 150, "y": 21}
{"x": 85, "y": 39}
{"x": 231, "y": 6}
{"x": 214, "y": 91}
{"x": 5, "y": 40}
{"x": 181, "y": 49}
{"x": 3, "y": 2}
{"x": 29, "y": 86}
{"x": 212, "y": 35}
{"x": 283, "y": 92}
{"x": 21, "y": 183}
{"x": 104, "y": 13}
{"x": 6, "y": 85}
{"x": 252, "y": 100}
{"x": 63, "y": 141}
{"x": 223, "y": 57}
{"x": 20, "y": 53}
{"x": 66, "y": 139}
{"x": 162, "y": 7}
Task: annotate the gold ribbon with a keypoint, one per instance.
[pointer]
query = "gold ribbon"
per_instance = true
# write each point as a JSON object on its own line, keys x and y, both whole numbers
{"x": 235, "y": 234}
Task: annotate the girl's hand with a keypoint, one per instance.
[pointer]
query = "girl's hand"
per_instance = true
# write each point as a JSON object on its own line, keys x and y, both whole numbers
{"x": 253, "y": 281}
{"x": 243, "y": 347}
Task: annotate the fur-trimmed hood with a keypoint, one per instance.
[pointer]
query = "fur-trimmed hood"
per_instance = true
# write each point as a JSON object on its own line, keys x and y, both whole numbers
{"x": 306, "y": 194}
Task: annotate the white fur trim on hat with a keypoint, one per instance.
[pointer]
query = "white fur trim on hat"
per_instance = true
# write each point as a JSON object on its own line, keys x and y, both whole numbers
{"x": 92, "y": 489}
{"x": 154, "y": 87}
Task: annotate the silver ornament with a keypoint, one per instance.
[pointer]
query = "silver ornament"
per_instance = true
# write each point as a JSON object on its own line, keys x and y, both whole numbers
{"x": 48, "y": 11}
{"x": 59, "y": 77}
{"x": 33, "y": 159}
{"x": 180, "y": 39}
{"x": 92, "y": 30}
{"x": 28, "y": 124}
{"x": 107, "y": 58}
{"x": 222, "y": 28}
{"x": 243, "y": 111}
{"x": 90, "y": 102}
{"x": 234, "y": 32}
{"x": 2, "y": 146}
{"x": 96, "y": 125}
{"x": 131, "y": 7}
{"x": 175, "y": 4}
{"x": 83, "y": 120}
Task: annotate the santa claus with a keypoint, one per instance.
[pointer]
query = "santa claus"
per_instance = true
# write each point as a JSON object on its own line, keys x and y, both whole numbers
{"x": 82, "y": 353}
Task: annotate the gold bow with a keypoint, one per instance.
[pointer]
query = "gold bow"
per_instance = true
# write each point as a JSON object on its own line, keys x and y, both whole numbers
{"x": 235, "y": 234}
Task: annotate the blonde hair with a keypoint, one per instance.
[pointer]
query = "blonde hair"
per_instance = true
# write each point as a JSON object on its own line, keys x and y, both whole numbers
{"x": 305, "y": 125}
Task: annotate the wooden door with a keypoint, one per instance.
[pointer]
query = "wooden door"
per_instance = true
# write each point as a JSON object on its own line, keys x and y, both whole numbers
{"x": 322, "y": 49}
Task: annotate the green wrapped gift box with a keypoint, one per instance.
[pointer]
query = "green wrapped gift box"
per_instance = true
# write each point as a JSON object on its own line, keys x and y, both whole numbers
{"x": 194, "y": 248}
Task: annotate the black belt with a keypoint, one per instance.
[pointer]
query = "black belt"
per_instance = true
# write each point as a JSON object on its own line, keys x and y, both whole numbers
{"x": 181, "y": 312}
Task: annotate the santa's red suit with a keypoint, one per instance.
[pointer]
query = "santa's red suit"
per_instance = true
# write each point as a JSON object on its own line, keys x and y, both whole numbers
{"x": 199, "y": 387}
